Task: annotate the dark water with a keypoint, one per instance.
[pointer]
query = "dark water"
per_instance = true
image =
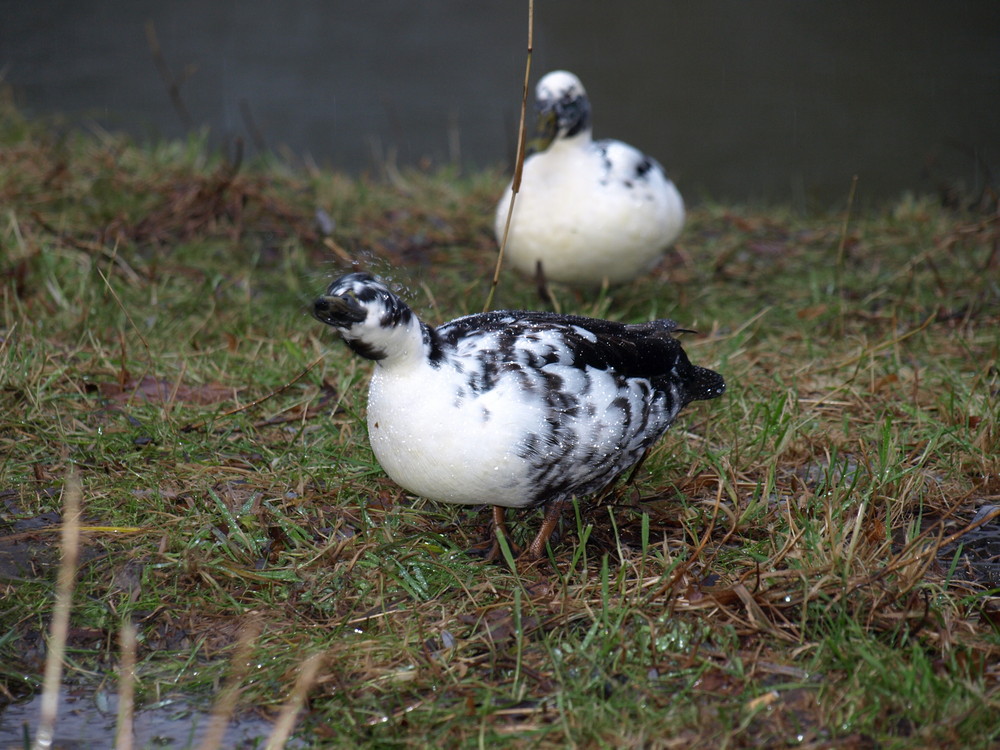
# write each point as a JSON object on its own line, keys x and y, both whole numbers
{"x": 741, "y": 100}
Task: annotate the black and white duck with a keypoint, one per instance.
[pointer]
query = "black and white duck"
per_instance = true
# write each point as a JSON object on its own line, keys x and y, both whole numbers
{"x": 510, "y": 408}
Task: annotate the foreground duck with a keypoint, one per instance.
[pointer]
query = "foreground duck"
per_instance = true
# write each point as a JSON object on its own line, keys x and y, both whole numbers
{"x": 511, "y": 409}
{"x": 587, "y": 211}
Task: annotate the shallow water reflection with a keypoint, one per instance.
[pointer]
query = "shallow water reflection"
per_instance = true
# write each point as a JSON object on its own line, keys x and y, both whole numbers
{"x": 87, "y": 720}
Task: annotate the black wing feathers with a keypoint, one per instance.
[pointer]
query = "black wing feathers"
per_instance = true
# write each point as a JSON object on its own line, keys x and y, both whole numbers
{"x": 643, "y": 350}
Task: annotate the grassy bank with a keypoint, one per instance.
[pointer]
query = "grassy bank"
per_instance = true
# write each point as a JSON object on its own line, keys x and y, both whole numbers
{"x": 785, "y": 569}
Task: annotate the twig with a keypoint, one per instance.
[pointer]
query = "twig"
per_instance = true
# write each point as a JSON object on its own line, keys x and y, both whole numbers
{"x": 685, "y": 566}
{"x": 222, "y": 711}
{"x": 515, "y": 184}
{"x": 282, "y": 730}
{"x": 229, "y": 170}
{"x": 842, "y": 245}
{"x": 838, "y": 271}
{"x": 116, "y": 530}
{"x": 59, "y": 629}
{"x": 126, "y": 687}
{"x": 173, "y": 84}
{"x": 907, "y": 555}
{"x": 454, "y": 139}
{"x": 257, "y": 402}
{"x": 256, "y": 137}
{"x": 145, "y": 345}
{"x": 91, "y": 248}
{"x": 856, "y": 358}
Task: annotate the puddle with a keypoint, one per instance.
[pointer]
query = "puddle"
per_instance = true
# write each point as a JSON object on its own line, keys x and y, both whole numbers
{"x": 88, "y": 721}
{"x": 977, "y": 551}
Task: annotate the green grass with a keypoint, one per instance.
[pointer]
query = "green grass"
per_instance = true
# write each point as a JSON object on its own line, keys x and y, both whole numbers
{"x": 770, "y": 579}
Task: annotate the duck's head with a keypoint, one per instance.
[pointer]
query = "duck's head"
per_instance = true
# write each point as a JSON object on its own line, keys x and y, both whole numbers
{"x": 563, "y": 108}
{"x": 373, "y": 321}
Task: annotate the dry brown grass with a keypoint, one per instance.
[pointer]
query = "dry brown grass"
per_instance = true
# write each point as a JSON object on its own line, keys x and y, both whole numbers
{"x": 784, "y": 570}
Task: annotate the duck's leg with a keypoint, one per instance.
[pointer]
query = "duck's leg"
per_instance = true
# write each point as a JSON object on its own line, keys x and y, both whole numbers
{"x": 542, "y": 285}
{"x": 612, "y": 486}
{"x": 553, "y": 511}
{"x": 500, "y": 527}
{"x": 635, "y": 469}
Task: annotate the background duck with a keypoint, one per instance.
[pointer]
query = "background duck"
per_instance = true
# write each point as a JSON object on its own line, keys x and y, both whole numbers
{"x": 587, "y": 211}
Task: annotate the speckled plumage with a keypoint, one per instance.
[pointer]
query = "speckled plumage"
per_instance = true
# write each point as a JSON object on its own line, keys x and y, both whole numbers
{"x": 511, "y": 408}
{"x": 587, "y": 210}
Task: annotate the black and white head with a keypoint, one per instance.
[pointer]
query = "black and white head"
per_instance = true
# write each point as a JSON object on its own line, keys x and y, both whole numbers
{"x": 372, "y": 320}
{"x": 563, "y": 108}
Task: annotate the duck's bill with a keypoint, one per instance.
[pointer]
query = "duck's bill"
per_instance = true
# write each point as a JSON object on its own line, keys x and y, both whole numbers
{"x": 546, "y": 128}
{"x": 339, "y": 311}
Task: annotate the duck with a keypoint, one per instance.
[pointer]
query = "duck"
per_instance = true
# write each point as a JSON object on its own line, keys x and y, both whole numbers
{"x": 588, "y": 212}
{"x": 511, "y": 408}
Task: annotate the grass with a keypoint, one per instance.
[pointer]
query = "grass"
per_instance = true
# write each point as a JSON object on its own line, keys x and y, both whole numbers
{"x": 779, "y": 573}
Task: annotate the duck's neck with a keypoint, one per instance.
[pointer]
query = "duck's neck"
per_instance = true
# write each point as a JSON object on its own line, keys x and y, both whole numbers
{"x": 397, "y": 346}
{"x": 574, "y": 142}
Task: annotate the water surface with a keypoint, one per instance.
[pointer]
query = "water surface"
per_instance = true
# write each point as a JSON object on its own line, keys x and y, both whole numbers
{"x": 740, "y": 100}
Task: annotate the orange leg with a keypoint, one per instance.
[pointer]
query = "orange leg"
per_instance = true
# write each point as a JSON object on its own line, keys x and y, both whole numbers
{"x": 553, "y": 511}
{"x": 499, "y": 527}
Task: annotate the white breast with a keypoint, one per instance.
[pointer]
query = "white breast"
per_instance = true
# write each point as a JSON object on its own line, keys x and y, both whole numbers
{"x": 490, "y": 448}
{"x": 587, "y": 215}
{"x": 449, "y": 449}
